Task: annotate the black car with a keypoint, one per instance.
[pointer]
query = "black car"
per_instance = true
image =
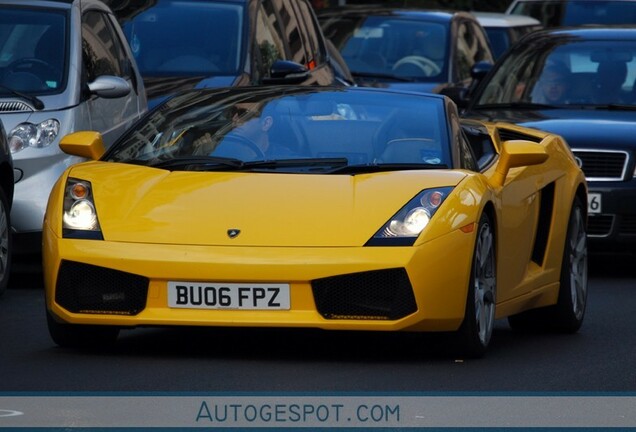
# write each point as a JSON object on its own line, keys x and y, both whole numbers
{"x": 579, "y": 83}
{"x": 180, "y": 44}
{"x": 412, "y": 49}
{"x": 6, "y": 200}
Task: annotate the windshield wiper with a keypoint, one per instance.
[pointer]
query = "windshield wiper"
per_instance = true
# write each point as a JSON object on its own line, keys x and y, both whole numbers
{"x": 384, "y": 76}
{"x": 34, "y": 100}
{"x": 198, "y": 162}
{"x": 290, "y": 163}
{"x": 517, "y": 105}
{"x": 371, "y": 168}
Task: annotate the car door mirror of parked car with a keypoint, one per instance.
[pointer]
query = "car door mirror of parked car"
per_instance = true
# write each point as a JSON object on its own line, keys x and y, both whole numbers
{"x": 86, "y": 144}
{"x": 110, "y": 87}
{"x": 286, "y": 72}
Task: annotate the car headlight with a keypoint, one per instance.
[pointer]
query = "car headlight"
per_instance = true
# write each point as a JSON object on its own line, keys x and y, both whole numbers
{"x": 33, "y": 135}
{"x": 79, "y": 219}
{"x": 407, "y": 224}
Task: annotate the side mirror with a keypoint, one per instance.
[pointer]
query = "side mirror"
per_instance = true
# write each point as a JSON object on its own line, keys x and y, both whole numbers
{"x": 480, "y": 70}
{"x": 110, "y": 87}
{"x": 286, "y": 72}
{"x": 86, "y": 144}
{"x": 517, "y": 153}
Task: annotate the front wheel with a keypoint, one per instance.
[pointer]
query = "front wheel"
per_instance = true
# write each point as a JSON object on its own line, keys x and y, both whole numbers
{"x": 479, "y": 318}
{"x": 81, "y": 336}
{"x": 566, "y": 316}
{"x": 6, "y": 242}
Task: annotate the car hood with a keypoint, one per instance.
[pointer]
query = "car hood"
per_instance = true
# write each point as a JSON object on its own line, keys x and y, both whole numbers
{"x": 422, "y": 87}
{"x": 160, "y": 88}
{"x": 146, "y": 205}
{"x": 580, "y": 128}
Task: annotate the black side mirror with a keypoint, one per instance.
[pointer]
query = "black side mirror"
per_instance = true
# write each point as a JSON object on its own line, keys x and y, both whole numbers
{"x": 286, "y": 72}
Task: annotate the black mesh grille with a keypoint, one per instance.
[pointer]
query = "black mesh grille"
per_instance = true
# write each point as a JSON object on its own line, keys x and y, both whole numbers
{"x": 508, "y": 135}
{"x": 600, "y": 225}
{"x": 607, "y": 165}
{"x": 85, "y": 288}
{"x": 380, "y": 295}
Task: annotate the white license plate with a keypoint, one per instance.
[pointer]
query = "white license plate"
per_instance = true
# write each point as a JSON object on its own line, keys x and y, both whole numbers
{"x": 594, "y": 201}
{"x": 221, "y": 295}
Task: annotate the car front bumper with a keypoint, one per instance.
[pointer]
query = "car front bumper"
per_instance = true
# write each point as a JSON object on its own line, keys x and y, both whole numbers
{"x": 614, "y": 227}
{"x": 436, "y": 277}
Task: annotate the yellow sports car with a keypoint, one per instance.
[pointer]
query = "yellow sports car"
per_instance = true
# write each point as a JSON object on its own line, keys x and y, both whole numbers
{"x": 333, "y": 208}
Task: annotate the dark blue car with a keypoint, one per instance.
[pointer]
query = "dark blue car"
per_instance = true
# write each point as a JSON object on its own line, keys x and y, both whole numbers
{"x": 579, "y": 83}
{"x": 409, "y": 49}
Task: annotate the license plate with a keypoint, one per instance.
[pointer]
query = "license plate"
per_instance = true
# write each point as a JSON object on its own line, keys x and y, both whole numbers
{"x": 594, "y": 203}
{"x": 221, "y": 295}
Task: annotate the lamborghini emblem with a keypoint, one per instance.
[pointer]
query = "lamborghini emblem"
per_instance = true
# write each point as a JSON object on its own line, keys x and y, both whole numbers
{"x": 231, "y": 233}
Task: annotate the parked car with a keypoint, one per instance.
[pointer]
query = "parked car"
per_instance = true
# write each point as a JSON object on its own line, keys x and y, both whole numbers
{"x": 410, "y": 49}
{"x": 64, "y": 66}
{"x": 186, "y": 44}
{"x": 6, "y": 200}
{"x": 337, "y": 208}
{"x": 559, "y": 13}
{"x": 504, "y": 30}
{"x": 578, "y": 83}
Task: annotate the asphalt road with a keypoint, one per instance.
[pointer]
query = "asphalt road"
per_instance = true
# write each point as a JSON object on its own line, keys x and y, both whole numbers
{"x": 599, "y": 358}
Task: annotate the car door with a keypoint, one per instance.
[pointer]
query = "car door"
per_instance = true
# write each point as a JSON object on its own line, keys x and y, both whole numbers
{"x": 471, "y": 46}
{"x": 103, "y": 53}
{"x": 316, "y": 58}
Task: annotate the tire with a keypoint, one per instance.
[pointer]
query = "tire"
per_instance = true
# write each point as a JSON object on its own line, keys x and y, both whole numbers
{"x": 479, "y": 318}
{"x": 566, "y": 316}
{"x": 81, "y": 336}
{"x": 6, "y": 242}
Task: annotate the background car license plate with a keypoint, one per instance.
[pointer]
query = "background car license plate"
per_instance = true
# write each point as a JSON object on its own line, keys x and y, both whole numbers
{"x": 594, "y": 202}
{"x": 220, "y": 295}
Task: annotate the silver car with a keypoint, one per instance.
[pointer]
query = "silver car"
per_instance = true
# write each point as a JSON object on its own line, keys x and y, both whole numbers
{"x": 65, "y": 66}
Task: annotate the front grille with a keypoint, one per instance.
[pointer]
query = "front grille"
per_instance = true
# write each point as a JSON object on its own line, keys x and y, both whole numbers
{"x": 602, "y": 165}
{"x": 599, "y": 225}
{"x": 14, "y": 106}
{"x": 85, "y": 288}
{"x": 373, "y": 295}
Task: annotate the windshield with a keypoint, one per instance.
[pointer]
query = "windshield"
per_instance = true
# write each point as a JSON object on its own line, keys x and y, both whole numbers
{"x": 385, "y": 45}
{"x": 33, "y": 50}
{"x": 554, "y": 13}
{"x": 566, "y": 72}
{"x": 179, "y": 38}
{"x": 327, "y": 130}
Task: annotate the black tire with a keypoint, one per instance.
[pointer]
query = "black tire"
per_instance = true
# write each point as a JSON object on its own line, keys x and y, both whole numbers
{"x": 6, "y": 242}
{"x": 566, "y": 316}
{"x": 81, "y": 336}
{"x": 479, "y": 318}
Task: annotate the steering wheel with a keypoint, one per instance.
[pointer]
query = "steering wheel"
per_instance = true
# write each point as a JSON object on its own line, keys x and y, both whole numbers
{"x": 34, "y": 66}
{"x": 426, "y": 65}
{"x": 239, "y": 147}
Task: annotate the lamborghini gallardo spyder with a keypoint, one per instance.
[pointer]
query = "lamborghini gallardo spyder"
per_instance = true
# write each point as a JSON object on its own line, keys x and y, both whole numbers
{"x": 332, "y": 208}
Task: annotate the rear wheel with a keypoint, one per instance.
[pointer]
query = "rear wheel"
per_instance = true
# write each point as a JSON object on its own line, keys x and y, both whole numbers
{"x": 479, "y": 318}
{"x": 567, "y": 314}
{"x": 81, "y": 336}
